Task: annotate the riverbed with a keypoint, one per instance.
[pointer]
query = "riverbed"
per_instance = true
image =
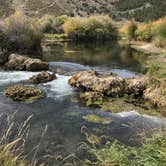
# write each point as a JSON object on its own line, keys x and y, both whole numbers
{"x": 61, "y": 114}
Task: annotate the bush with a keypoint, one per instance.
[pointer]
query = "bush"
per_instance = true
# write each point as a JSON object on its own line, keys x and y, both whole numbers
{"x": 159, "y": 30}
{"x": 52, "y": 24}
{"x": 59, "y": 21}
{"x": 129, "y": 29}
{"x": 47, "y": 24}
{"x": 22, "y": 34}
{"x": 90, "y": 28}
{"x": 144, "y": 32}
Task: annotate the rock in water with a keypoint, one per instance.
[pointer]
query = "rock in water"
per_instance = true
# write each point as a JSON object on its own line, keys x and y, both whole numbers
{"x": 24, "y": 93}
{"x": 136, "y": 86}
{"x": 89, "y": 81}
{"x": 20, "y": 62}
{"x": 42, "y": 77}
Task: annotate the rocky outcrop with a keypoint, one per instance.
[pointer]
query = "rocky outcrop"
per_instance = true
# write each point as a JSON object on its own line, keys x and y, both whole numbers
{"x": 42, "y": 77}
{"x": 23, "y": 93}
{"x": 19, "y": 62}
{"x": 156, "y": 95}
{"x": 90, "y": 81}
{"x": 95, "y": 87}
{"x": 135, "y": 86}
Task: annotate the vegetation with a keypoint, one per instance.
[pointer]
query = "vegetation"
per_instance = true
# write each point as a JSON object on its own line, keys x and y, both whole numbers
{"x": 12, "y": 141}
{"x": 129, "y": 29}
{"x": 53, "y": 25}
{"x": 91, "y": 28}
{"x": 152, "y": 152}
{"x": 149, "y": 32}
{"x": 144, "y": 32}
{"x": 21, "y": 33}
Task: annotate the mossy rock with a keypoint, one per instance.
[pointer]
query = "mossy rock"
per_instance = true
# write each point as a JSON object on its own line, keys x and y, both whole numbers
{"x": 97, "y": 119}
{"x": 24, "y": 93}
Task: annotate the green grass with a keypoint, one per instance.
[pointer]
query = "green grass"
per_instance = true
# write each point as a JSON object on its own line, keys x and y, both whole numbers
{"x": 151, "y": 153}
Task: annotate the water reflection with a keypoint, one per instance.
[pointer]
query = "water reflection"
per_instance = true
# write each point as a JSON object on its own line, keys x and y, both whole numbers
{"x": 107, "y": 55}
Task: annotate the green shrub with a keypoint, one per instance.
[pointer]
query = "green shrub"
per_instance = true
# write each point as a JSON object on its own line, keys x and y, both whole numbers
{"x": 47, "y": 24}
{"x": 129, "y": 29}
{"x": 23, "y": 34}
{"x": 59, "y": 21}
{"x": 144, "y": 32}
{"x": 159, "y": 30}
{"x": 90, "y": 28}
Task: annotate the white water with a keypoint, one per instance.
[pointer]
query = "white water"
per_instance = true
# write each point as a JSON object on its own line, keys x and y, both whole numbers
{"x": 54, "y": 89}
{"x": 58, "y": 87}
{"x": 8, "y": 77}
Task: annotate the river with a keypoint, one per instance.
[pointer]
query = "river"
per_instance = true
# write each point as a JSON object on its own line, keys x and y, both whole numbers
{"x": 62, "y": 111}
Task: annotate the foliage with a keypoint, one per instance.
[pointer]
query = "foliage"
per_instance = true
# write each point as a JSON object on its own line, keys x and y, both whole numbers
{"x": 46, "y": 23}
{"x": 129, "y": 29}
{"x": 152, "y": 152}
{"x": 52, "y": 24}
{"x": 22, "y": 33}
{"x": 90, "y": 28}
{"x": 59, "y": 21}
{"x": 159, "y": 30}
{"x": 144, "y": 32}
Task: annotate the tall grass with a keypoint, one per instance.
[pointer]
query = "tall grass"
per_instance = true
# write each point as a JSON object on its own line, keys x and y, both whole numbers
{"x": 12, "y": 141}
{"x": 23, "y": 34}
{"x": 90, "y": 28}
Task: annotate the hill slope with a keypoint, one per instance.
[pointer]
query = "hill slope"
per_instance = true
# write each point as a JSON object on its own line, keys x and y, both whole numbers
{"x": 142, "y": 10}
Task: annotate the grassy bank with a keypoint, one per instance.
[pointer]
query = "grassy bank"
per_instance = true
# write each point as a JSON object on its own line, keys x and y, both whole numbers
{"x": 151, "y": 153}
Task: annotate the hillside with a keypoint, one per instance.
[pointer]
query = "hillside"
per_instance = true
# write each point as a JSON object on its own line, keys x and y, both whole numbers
{"x": 141, "y": 10}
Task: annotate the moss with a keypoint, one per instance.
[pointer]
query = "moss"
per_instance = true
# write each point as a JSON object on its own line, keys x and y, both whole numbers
{"x": 97, "y": 119}
{"x": 127, "y": 104}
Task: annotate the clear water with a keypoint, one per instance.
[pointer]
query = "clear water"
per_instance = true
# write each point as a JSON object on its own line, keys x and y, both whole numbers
{"x": 62, "y": 112}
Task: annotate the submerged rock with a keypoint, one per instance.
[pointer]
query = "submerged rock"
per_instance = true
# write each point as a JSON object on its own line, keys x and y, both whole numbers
{"x": 23, "y": 93}
{"x": 92, "y": 98}
{"x": 20, "y": 62}
{"x": 42, "y": 77}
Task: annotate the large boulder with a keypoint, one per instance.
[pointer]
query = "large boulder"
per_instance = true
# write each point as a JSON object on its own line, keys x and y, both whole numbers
{"x": 20, "y": 62}
{"x": 23, "y": 93}
{"x": 42, "y": 77}
{"x": 90, "y": 81}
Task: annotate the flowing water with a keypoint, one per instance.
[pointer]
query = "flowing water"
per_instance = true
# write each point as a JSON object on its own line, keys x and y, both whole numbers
{"x": 61, "y": 110}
